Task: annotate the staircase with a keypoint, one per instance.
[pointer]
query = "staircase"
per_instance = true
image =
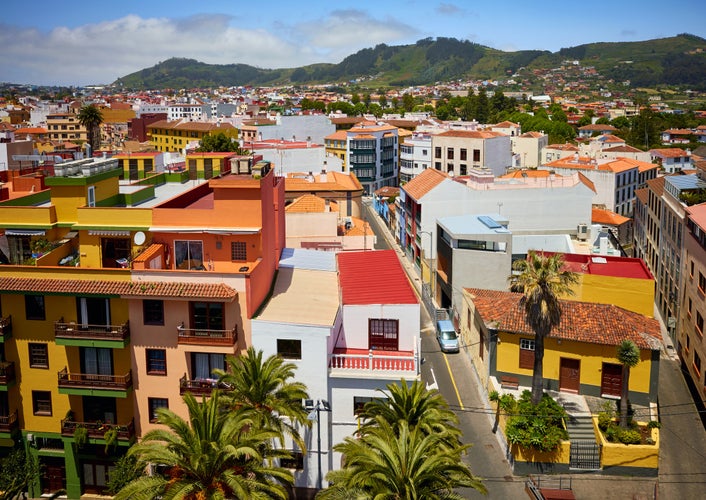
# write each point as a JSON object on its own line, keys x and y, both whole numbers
{"x": 585, "y": 453}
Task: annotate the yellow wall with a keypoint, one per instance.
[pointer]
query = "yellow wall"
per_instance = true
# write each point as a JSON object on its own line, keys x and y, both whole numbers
{"x": 624, "y": 455}
{"x": 27, "y": 216}
{"x": 635, "y": 295}
{"x": 592, "y": 357}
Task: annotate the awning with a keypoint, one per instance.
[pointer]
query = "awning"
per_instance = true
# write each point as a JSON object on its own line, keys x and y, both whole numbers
{"x": 25, "y": 232}
{"x": 95, "y": 232}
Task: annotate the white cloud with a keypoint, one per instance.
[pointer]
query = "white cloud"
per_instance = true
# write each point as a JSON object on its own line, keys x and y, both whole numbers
{"x": 102, "y": 52}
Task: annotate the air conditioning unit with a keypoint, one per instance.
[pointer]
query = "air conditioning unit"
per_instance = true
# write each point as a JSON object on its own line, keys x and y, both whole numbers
{"x": 582, "y": 232}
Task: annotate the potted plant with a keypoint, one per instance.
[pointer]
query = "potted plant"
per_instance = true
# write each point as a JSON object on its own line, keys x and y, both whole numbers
{"x": 111, "y": 438}
{"x": 80, "y": 436}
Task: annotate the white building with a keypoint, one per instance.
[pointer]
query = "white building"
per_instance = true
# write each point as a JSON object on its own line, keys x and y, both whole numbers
{"x": 415, "y": 155}
{"x": 294, "y": 156}
{"x": 348, "y": 340}
{"x": 527, "y": 149}
{"x": 458, "y": 151}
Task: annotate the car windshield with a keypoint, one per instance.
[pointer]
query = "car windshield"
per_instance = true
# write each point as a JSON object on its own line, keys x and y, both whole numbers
{"x": 448, "y": 335}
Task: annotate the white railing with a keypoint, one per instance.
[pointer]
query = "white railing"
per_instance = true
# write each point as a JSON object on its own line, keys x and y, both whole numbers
{"x": 374, "y": 362}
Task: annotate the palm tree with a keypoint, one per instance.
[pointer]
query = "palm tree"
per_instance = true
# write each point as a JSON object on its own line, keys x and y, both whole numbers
{"x": 399, "y": 462}
{"x": 629, "y": 357}
{"x": 213, "y": 456}
{"x": 266, "y": 388}
{"x": 90, "y": 117}
{"x": 541, "y": 279}
{"x": 415, "y": 406}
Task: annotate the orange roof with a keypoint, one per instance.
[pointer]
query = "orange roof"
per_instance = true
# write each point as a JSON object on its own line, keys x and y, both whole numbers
{"x": 607, "y": 217}
{"x": 597, "y": 127}
{"x": 585, "y": 180}
{"x": 335, "y": 181}
{"x": 563, "y": 147}
{"x": 587, "y": 322}
{"x": 668, "y": 152}
{"x": 31, "y": 131}
{"x": 358, "y": 228}
{"x": 339, "y": 135}
{"x": 310, "y": 203}
{"x": 697, "y": 213}
{"x": 186, "y": 125}
{"x": 506, "y": 124}
{"x": 642, "y": 195}
{"x": 471, "y": 134}
{"x": 424, "y": 182}
{"x": 126, "y": 289}
{"x": 522, "y": 174}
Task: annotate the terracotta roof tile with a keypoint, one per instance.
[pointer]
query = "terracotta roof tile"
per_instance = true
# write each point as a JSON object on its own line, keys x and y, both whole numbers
{"x": 310, "y": 203}
{"x": 587, "y": 322}
{"x": 424, "y": 182}
{"x": 607, "y": 217}
{"x": 125, "y": 289}
{"x": 668, "y": 152}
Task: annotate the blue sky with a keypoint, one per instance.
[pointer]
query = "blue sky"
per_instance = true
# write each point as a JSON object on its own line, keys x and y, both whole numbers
{"x": 79, "y": 42}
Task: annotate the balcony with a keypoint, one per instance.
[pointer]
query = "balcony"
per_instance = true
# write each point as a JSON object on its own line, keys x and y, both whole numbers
{"x": 97, "y": 430}
{"x": 80, "y": 335}
{"x": 85, "y": 384}
{"x": 200, "y": 336}
{"x": 7, "y": 375}
{"x": 9, "y": 423}
{"x": 5, "y": 328}
{"x": 199, "y": 387}
{"x": 373, "y": 364}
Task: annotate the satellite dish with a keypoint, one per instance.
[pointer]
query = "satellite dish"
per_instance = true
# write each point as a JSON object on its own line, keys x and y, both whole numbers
{"x": 139, "y": 238}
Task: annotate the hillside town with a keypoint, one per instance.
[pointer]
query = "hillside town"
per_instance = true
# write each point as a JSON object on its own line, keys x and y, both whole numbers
{"x": 153, "y": 242}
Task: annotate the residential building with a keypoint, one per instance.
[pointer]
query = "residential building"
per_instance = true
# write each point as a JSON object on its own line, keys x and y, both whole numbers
{"x": 355, "y": 341}
{"x": 596, "y": 129}
{"x": 343, "y": 189}
{"x": 580, "y": 356}
{"x": 415, "y": 156}
{"x": 176, "y": 136}
{"x": 65, "y": 127}
{"x": 677, "y": 136}
{"x": 294, "y": 156}
{"x": 527, "y": 148}
{"x": 372, "y": 155}
{"x": 456, "y": 152}
{"x": 137, "y": 166}
{"x": 336, "y": 145}
{"x": 691, "y": 346}
{"x": 672, "y": 159}
{"x": 555, "y": 152}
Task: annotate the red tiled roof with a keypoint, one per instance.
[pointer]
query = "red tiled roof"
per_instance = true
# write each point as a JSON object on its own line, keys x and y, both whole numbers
{"x": 424, "y": 182}
{"x": 587, "y": 322}
{"x": 607, "y": 217}
{"x": 126, "y": 289}
{"x": 374, "y": 277}
{"x": 471, "y": 134}
{"x": 668, "y": 152}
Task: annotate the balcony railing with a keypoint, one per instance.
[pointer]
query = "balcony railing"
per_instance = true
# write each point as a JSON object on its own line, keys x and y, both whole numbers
{"x": 8, "y": 423}
{"x": 71, "y": 330}
{"x": 201, "y": 336}
{"x": 7, "y": 372}
{"x": 375, "y": 362}
{"x": 5, "y": 327}
{"x": 199, "y": 387}
{"x": 93, "y": 381}
{"x": 97, "y": 430}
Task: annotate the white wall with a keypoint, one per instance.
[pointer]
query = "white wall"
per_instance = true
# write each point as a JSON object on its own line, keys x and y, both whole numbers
{"x": 355, "y": 323}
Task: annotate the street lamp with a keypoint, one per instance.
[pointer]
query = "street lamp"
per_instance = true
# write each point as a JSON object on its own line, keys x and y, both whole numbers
{"x": 315, "y": 414}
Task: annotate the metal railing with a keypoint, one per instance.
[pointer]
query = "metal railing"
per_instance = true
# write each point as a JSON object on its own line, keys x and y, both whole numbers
{"x": 98, "y": 429}
{"x": 8, "y": 422}
{"x": 95, "y": 381}
{"x": 72, "y": 330}
{"x": 207, "y": 336}
{"x": 6, "y": 325}
{"x": 7, "y": 372}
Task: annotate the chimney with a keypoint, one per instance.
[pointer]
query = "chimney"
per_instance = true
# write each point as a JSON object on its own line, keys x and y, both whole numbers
{"x": 323, "y": 176}
{"x": 310, "y": 177}
{"x": 308, "y": 141}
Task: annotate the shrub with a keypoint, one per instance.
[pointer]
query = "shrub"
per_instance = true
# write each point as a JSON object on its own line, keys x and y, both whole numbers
{"x": 612, "y": 433}
{"x": 653, "y": 424}
{"x": 604, "y": 420}
{"x": 540, "y": 426}
{"x": 630, "y": 436}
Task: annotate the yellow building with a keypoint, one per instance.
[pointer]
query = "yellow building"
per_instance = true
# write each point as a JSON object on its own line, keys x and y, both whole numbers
{"x": 209, "y": 165}
{"x": 336, "y": 145}
{"x": 175, "y": 136}
{"x": 580, "y": 355}
{"x": 65, "y": 127}
{"x": 139, "y": 165}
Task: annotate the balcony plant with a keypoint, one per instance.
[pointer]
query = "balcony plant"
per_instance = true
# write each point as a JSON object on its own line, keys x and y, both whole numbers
{"x": 111, "y": 439}
{"x": 80, "y": 436}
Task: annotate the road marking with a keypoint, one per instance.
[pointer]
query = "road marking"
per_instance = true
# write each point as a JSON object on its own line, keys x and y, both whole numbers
{"x": 434, "y": 385}
{"x": 453, "y": 381}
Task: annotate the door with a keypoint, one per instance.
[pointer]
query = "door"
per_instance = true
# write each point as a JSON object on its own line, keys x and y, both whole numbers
{"x": 95, "y": 477}
{"x": 96, "y": 361}
{"x": 611, "y": 379}
{"x": 383, "y": 334}
{"x": 96, "y": 408}
{"x": 570, "y": 375}
{"x": 93, "y": 311}
{"x": 54, "y": 474}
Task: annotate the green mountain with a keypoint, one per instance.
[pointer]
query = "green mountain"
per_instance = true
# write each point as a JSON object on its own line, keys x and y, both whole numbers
{"x": 679, "y": 60}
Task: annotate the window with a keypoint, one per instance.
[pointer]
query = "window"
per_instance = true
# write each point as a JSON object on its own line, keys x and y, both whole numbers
{"x": 691, "y": 269}
{"x": 156, "y": 361}
{"x": 153, "y": 312}
{"x": 688, "y": 311}
{"x": 289, "y": 348}
{"x": 91, "y": 196}
{"x": 34, "y": 307}
{"x": 476, "y": 155}
{"x": 688, "y": 343}
{"x": 238, "y": 251}
{"x": 359, "y": 403}
{"x": 697, "y": 364}
{"x": 464, "y": 154}
{"x": 437, "y": 152}
{"x": 527, "y": 353}
{"x": 450, "y": 154}
{"x": 699, "y": 324}
{"x": 154, "y": 404}
{"x": 207, "y": 316}
{"x": 204, "y": 364}
{"x": 296, "y": 461}
{"x": 383, "y": 334}
{"x": 41, "y": 403}
{"x": 702, "y": 283}
{"x": 189, "y": 255}
{"x": 38, "y": 356}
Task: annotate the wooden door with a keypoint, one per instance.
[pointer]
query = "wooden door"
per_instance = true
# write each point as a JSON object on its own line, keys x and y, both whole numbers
{"x": 611, "y": 379}
{"x": 54, "y": 476}
{"x": 570, "y": 375}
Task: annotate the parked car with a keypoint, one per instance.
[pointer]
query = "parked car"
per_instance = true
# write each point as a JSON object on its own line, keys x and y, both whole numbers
{"x": 446, "y": 335}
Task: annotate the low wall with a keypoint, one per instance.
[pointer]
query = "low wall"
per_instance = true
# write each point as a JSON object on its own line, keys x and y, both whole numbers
{"x": 629, "y": 459}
